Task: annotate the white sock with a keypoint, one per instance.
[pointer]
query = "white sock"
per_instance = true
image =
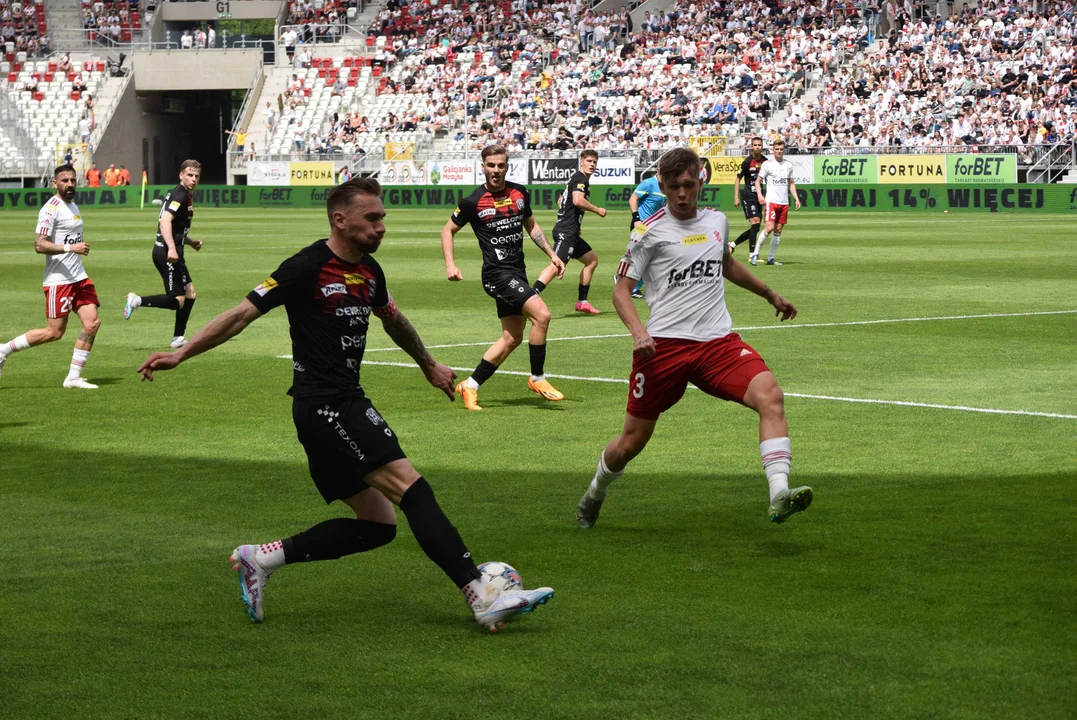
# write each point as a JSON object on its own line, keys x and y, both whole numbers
{"x": 78, "y": 361}
{"x": 271, "y": 555}
{"x": 537, "y": 378}
{"x": 604, "y": 477}
{"x": 475, "y": 594}
{"x": 775, "y": 240}
{"x": 19, "y": 343}
{"x": 777, "y": 455}
{"x": 759, "y": 243}
{"x": 470, "y": 382}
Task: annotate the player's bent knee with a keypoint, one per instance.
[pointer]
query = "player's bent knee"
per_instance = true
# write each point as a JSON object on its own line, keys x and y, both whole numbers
{"x": 52, "y": 335}
{"x": 181, "y": 299}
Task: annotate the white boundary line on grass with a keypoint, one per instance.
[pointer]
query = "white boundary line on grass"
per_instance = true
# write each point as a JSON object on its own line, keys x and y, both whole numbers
{"x": 486, "y": 343}
{"x": 834, "y": 398}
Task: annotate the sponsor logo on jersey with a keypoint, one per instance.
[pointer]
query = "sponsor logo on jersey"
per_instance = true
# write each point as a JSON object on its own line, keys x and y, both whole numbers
{"x": 334, "y": 289}
{"x": 374, "y": 418}
{"x": 353, "y": 311}
{"x": 456, "y": 211}
{"x": 694, "y": 239}
{"x": 354, "y": 279}
{"x": 266, "y": 285}
{"x": 503, "y": 202}
{"x": 520, "y": 204}
{"x": 174, "y": 205}
{"x": 699, "y": 270}
{"x": 352, "y": 341}
{"x": 488, "y": 212}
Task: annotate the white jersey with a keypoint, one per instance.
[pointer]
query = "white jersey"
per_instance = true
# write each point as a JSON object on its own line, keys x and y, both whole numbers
{"x": 62, "y": 223}
{"x": 680, "y": 263}
{"x": 776, "y": 176}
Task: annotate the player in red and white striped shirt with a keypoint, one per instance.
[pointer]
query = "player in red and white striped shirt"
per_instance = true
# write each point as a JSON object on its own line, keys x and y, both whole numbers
{"x": 67, "y": 287}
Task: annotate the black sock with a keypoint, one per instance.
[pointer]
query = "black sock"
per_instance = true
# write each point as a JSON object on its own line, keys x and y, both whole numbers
{"x": 436, "y": 535}
{"x": 743, "y": 236}
{"x": 336, "y": 538}
{"x": 483, "y": 371}
{"x": 754, "y": 230}
{"x": 584, "y": 289}
{"x": 181, "y": 317}
{"x": 538, "y": 358}
{"x": 539, "y": 286}
{"x": 161, "y": 301}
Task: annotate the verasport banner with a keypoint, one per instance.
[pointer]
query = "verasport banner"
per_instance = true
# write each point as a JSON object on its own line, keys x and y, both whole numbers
{"x": 451, "y": 172}
{"x": 614, "y": 171}
{"x": 404, "y": 172}
{"x": 517, "y": 172}
{"x": 268, "y": 173}
{"x": 552, "y": 171}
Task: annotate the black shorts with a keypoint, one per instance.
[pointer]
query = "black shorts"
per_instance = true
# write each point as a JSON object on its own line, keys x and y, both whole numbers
{"x": 344, "y": 439}
{"x": 174, "y": 275}
{"x": 569, "y": 245}
{"x": 751, "y": 207}
{"x": 510, "y": 291}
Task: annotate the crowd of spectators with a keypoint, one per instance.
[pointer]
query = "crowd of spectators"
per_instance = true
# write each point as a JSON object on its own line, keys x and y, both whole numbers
{"x": 323, "y": 21}
{"x": 110, "y": 22}
{"x": 999, "y": 74}
{"x": 23, "y": 28}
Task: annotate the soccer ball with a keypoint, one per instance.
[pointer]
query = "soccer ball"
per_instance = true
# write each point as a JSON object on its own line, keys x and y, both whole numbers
{"x": 500, "y": 577}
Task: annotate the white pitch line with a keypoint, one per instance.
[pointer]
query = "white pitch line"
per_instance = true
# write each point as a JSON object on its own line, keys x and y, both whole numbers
{"x": 867, "y": 401}
{"x": 766, "y": 327}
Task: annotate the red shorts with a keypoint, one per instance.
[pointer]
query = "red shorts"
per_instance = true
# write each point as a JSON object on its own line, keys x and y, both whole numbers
{"x": 777, "y": 214}
{"x": 60, "y": 300}
{"x": 722, "y": 368}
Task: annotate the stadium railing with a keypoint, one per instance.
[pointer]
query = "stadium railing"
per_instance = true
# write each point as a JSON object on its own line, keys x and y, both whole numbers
{"x": 246, "y": 111}
{"x": 1054, "y": 162}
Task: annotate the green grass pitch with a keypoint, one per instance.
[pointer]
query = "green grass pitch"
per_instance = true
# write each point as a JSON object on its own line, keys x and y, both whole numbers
{"x": 934, "y": 576}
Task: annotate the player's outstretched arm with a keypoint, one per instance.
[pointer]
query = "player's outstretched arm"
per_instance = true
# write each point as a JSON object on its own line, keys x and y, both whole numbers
{"x": 626, "y": 310}
{"x": 404, "y": 334}
{"x": 219, "y": 330}
{"x": 736, "y": 273}
{"x": 538, "y": 237}
{"x": 579, "y": 199}
{"x": 448, "y": 232}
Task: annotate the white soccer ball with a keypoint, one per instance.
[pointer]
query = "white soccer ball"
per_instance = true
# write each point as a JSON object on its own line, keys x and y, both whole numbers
{"x": 499, "y": 577}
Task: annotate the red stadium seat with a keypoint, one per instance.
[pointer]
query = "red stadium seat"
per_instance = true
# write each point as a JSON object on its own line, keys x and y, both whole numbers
{"x": 71, "y": 76}
{"x": 49, "y": 76}
{"x": 306, "y": 91}
{"x": 352, "y": 81}
{"x": 349, "y": 62}
{"x": 101, "y": 67}
{"x": 322, "y": 73}
{"x": 12, "y": 77}
{"x": 370, "y": 41}
{"x": 39, "y": 96}
{"x": 75, "y": 95}
{"x": 126, "y": 36}
{"x": 53, "y": 67}
{"x": 136, "y": 22}
{"x": 87, "y": 66}
{"x": 377, "y": 72}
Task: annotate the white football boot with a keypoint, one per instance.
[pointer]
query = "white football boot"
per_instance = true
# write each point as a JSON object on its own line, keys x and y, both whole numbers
{"x": 178, "y": 341}
{"x": 494, "y": 613}
{"x": 79, "y": 383}
{"x": 252, "y": 580}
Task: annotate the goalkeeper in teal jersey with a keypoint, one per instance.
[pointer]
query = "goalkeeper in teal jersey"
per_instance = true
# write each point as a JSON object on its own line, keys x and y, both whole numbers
{"x": 645, "y": 201}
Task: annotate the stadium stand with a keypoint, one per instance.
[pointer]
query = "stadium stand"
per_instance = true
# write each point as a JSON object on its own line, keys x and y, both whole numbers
{"x": 111, "y": 22}
{"x": 997, "y": 75}
{"x": 23, "y": 30}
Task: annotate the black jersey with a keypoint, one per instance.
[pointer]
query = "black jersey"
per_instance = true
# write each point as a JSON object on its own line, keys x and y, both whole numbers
{"x": 749, "y": 171}
{"x": 570, "y": 217}
{"x": 498, "y": 221}
{"x": 179, "y": 205}
{"x": 329, "y": 302}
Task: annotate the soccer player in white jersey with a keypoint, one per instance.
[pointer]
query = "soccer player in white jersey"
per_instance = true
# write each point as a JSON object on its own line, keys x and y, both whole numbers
{"x": 682, "y": 255}
{"x": 777, "y": 175}
{"x": 67, "y": 287}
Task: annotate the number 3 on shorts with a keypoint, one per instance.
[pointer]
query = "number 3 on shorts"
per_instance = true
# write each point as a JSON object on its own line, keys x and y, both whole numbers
{"x": 637, "y": 392}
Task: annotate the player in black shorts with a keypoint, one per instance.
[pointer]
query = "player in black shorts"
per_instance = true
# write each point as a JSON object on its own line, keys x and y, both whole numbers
{"x": 567, "y": 243}
{"x": 499, "y": 212}
{"x": 173, "y": 224}
{"x": 753, "y": 210}
{"x": 329, "y": 290}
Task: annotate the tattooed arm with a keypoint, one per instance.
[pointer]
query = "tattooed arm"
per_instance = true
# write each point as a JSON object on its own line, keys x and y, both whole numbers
{"x": 539, "y": 238}
{"x": 404, "y": 334}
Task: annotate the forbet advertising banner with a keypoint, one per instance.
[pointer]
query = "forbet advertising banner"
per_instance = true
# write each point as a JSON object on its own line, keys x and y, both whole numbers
{"x": 846, "y": 170}
{"x": 312, "y": 173}
{"x": 404, "y": 172}
{"x": 268, "y": 173}
{"x": 614, "y": 171}
{"x": 452, "y": 172}
{"x": 900, "y": 169}
{"x": 981, "y": 169}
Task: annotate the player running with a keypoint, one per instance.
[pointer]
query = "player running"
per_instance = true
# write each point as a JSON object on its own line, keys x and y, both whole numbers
{"x": 777, "y": 175}
{"x": 329, "y": 290}
{"x": 749, "y": 171}
{"x": 499, "y": 212}
{"x": 645, "y": 200}
{"x": 67, "y": 286}
{"x": 682, "y": 254}
{"x": 571, "y": 205}
{"x": 173, "y": 224}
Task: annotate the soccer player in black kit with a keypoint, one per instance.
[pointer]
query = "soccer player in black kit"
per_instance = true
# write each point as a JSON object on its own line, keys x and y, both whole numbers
{"x": 173, "y": 224}
{"x": 753, "y": 210}
{"x": 329, "y": 290}
{"x": 499, "y": 212}
{"x": 573, "y": 202}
